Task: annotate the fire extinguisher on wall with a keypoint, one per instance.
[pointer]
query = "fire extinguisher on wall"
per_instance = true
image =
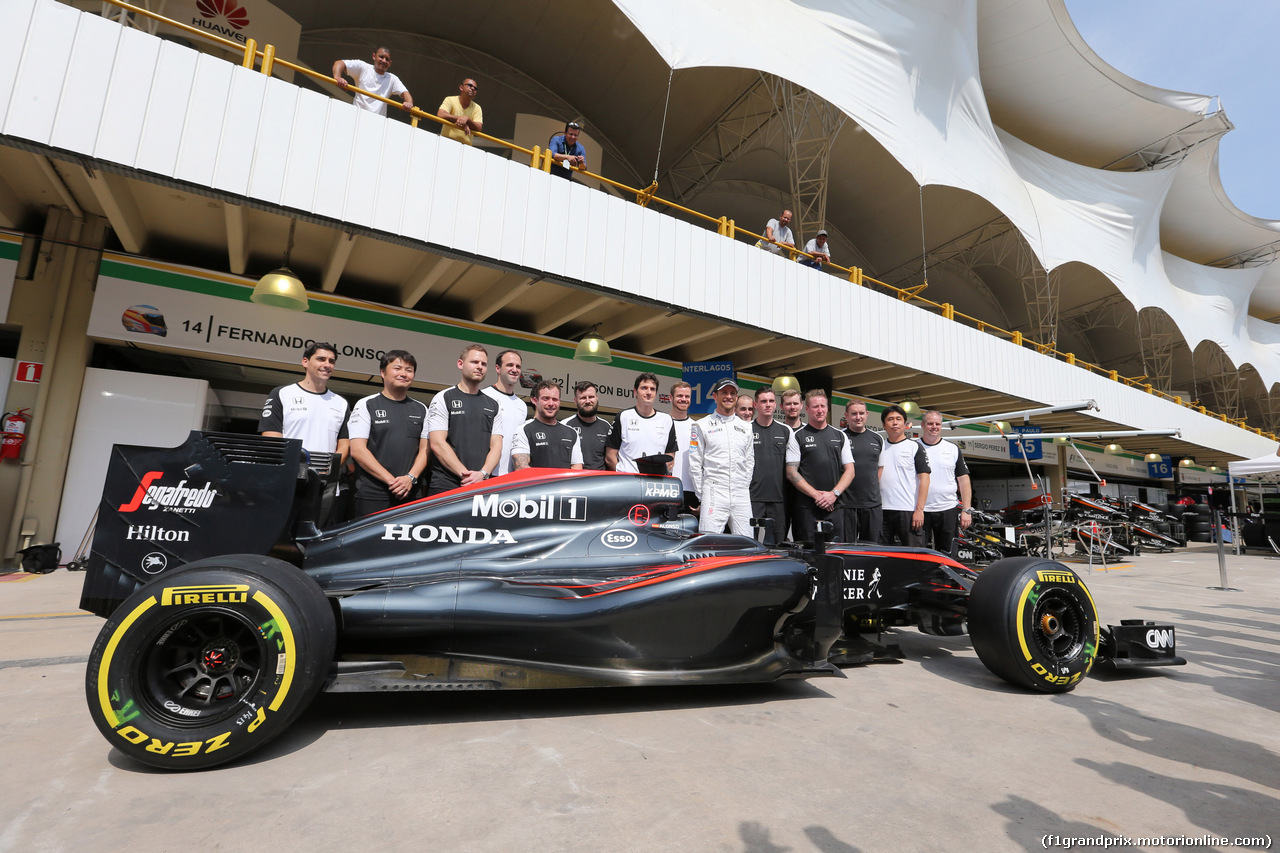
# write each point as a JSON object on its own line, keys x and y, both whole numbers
{"x": 15, "y": 433}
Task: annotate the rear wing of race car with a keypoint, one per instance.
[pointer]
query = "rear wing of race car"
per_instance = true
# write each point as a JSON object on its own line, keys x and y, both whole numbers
{"x": 161, "y": 508}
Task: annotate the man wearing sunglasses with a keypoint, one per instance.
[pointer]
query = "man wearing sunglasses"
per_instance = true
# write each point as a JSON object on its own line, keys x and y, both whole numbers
{"x": 462, "y": 112}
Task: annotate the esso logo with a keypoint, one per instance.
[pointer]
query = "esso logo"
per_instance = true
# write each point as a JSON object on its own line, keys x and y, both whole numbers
{"x": 619, "y": 539}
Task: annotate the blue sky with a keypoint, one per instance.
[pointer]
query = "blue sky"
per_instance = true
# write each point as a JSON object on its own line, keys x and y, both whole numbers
{"x": 1227, "y": 48}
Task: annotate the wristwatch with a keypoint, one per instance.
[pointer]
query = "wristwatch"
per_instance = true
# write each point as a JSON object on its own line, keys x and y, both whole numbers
{"x": 487, "y": 475}
{"x": 412, "y": 479}
{"x": 835, "y": 492}
{"x": 968, "y": 510}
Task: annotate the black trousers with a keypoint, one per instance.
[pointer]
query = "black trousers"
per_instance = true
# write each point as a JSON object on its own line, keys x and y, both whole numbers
{"x": 808, "y": 514}
{"x": 863, "y": 523}
{"x": 896, "y": 529}
{"x": 940, "y": 529}
{"x": 775, "y": 532}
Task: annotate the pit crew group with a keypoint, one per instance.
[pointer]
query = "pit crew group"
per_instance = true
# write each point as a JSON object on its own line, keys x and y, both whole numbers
{"x": 736, "y": 464}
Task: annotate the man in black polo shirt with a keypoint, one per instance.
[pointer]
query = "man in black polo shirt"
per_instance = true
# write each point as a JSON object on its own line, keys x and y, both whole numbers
{"x": 820, "y": 466}
{"x": 593, "y": 430}
{"x": 388, "y": 438}
{"x": 464, "y": 446}
{"x": 770, "y": 472}
{"x": 862, "y": 514}
{"x": 544, "y": 442}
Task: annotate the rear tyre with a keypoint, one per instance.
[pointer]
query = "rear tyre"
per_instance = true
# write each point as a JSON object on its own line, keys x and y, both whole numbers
{"x": 210, "y": 661}
{"x": 1034, "y": 624}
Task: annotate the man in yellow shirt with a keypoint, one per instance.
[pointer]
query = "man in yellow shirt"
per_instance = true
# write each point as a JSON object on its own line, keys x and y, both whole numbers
{"x": 462, "y": 112}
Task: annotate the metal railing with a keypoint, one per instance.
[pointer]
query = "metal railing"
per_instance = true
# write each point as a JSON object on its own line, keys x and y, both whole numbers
{"x": 266, "y": 60}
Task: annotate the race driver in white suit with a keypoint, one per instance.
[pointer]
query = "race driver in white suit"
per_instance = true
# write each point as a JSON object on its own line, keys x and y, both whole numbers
{"x": 721, "y": 459}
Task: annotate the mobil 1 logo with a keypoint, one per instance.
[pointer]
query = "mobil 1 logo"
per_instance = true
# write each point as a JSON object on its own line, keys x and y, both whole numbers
{"x": 543, "y": 507}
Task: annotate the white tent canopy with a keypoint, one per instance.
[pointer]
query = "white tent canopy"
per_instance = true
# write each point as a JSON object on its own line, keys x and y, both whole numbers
{"x": 1255, "y": 467}
{"x": 907, "y": 71}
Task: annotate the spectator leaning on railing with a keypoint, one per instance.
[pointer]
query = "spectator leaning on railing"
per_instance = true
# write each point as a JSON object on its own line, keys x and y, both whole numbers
{"x": 820, "y": 251}
{"x": 567, "y": 151}
{"x": 779, "y": 231}
{"x": 373, "y": 78}
{"x": 462, "y": 112}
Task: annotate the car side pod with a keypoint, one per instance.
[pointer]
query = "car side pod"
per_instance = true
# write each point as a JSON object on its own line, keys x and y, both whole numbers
{"x": 1136, "y": 642}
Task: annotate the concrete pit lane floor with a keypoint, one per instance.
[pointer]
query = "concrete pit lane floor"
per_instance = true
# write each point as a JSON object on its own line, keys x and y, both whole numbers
{"x": 932, "y": 753}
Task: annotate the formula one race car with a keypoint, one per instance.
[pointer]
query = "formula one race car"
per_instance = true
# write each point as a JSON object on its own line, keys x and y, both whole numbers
{"x": 228, "y": 610}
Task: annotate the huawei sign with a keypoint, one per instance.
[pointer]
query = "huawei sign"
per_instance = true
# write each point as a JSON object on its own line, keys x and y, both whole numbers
{"x": 224, "y": 17}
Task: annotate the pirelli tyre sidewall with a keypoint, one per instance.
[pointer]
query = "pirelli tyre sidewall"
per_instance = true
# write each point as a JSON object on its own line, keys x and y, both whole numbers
{"x": 210, "y": 662}
{"x": 1034, "y": 624}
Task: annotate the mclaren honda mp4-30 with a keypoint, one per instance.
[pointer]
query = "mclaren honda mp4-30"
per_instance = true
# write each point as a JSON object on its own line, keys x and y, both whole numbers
{"x": 228, "y": 609}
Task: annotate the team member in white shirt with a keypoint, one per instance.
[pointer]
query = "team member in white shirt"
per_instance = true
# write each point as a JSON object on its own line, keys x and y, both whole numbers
{"x": 681, "y": 397}
{"x": 307, "y": 409}
{"x": 904, "y": 481}
{"x": 640, "y": 431}
{"x": 512, "y": 411}
{"x": 950, "y": 492}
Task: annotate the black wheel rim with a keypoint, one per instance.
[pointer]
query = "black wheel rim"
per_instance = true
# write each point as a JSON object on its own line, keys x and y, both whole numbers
{"x": 200, "y": 667}
{"x": 1059, "y": 626}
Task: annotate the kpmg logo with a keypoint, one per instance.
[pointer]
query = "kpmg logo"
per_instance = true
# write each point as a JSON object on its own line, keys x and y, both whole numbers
{"x": 663, "y": 489}
{"x": 222, "y": 16}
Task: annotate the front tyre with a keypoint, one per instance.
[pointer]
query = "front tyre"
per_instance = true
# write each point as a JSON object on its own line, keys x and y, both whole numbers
{"x": 1034, "y": 624}
{"x": 210, "y": 661}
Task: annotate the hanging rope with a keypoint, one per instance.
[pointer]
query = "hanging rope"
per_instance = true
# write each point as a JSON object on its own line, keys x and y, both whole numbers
{"x": 662, "y": 133}
{"x": 924, "y": 248}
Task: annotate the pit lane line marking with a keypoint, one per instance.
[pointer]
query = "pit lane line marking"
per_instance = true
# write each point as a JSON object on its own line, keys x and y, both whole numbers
{"x": 44, "y": 616}
{"x": 71, "y": 659}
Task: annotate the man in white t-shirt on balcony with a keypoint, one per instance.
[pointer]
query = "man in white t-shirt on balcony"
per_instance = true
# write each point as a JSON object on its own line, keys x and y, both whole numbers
{"x": 372, "y": 77}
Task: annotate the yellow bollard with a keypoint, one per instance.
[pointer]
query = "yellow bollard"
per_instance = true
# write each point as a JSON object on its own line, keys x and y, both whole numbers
{"x": 547, "y": 160}
{"x": 268, "y": 59}
{"x": 537, "y": 155}
{"x": 1017, "y": 339}
{"x": 723, "y": 227}
{"x": 733, "y": 229}
{"x": 1071, "y": 358}
{"x": 1113, "y": 376}
{"x": 250, "y": 54}
{"x": 948, "y": 311}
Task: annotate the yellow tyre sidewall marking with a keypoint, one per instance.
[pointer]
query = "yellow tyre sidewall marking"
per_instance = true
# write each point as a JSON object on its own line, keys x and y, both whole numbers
{"x": 104, "y": 668}
{"x": 1022, "y": 606}
{"x": 290, "y": 652}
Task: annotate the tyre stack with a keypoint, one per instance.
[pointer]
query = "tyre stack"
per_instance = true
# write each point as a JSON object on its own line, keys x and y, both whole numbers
{"x": 1198, "y": 521}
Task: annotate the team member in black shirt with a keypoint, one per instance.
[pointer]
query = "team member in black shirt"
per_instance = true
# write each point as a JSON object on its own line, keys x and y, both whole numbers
{"x": 820, "y": 466}
{"x": 770, "y": 472}
{"x": 464, "y": 446}
{"x": 593, "y": 430}
{"x": 388, "y": 438}
{"x": 544, "y": 442}
{"x": 862, "y": 513}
